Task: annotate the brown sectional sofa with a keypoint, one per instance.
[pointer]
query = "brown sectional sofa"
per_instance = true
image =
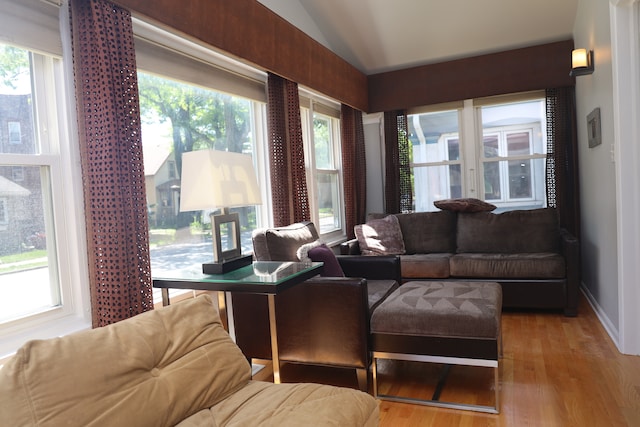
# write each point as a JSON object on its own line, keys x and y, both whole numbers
{"x": 535, "y": 261}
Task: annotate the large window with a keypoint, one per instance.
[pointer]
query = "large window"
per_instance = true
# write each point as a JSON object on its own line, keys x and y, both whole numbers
{"x": 321, "y": 134}
{"x": 40, "y": 221}
{"x": 190, "y": 101}
{"x": 491, "y": 149}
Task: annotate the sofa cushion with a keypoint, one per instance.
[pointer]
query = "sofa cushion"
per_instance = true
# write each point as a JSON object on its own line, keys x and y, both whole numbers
{"x": 154, "y": 369}
{"x": 425, "y": 232}
{"x": 519, "y": 231}
{"x": 464, "y": 205}
{"x": 380, "y": 236}
{"x": 267, "y": 404}
{"x": 282, "y": 243}
{"x": 508, "y": 266}
{"x": 425, "y": 266}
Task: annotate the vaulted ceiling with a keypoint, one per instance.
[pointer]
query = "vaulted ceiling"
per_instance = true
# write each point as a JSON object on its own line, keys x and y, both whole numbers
{"x": 383, "y": 35}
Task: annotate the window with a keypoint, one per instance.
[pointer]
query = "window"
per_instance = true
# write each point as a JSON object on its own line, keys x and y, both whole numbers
{"x": 321, "y": 135}
{"x": 188, "y": 102}
{"x": 491, "y": 149}
{"x": 15, "y": 136}
{"x": 40, "y": 287}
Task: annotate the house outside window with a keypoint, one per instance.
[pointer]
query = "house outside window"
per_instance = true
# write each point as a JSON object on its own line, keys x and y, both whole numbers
{"x": 490, "y": 149}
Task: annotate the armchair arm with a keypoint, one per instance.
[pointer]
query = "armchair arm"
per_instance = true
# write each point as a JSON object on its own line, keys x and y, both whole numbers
{"x": 324, "y": 321}
{"x": 350, "y": 247}
{"x": 570, "y": 247}
{"x": 371, "y": 267}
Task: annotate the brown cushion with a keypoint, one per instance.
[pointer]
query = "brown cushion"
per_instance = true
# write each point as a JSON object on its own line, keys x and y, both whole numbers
{"x": 519, "y": 231}
{"x": 464, "y": 205}
{"x": 425, "y": 266}
{"x": 509, "y": 266}
{"x": 380, "y": 237}
{"x": 451, "y": 309}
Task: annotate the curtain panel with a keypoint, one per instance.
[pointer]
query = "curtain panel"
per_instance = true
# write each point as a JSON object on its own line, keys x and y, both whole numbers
{"x": 111, "y": 158}
{"x": 289, "y": 194}
{"x": 562, "y": 157}
{"x": 398, "y": 190}
{"x": 354, "y": 168}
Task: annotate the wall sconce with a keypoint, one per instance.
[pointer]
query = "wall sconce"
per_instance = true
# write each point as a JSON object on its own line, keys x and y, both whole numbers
{"x": 581, "y": 62}
{"x": 219, "y": 179}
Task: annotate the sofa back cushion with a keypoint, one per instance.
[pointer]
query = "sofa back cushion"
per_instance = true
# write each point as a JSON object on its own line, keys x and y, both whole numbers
{"x": 426, "y": 232}
{"x": 519, "y": 231}
{"x": 282, "y": 243}
{"x": 154, "y": 369}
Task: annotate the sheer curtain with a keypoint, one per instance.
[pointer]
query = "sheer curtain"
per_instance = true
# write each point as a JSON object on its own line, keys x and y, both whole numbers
{"x": 289, "y": 194}
{"x": 354, "y": 168}
{"x": 111, "y": 157}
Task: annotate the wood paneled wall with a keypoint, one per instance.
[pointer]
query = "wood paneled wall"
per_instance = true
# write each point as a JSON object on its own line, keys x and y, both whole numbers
{"x": 248, "y": 30}
{"x": 519, "y": 70}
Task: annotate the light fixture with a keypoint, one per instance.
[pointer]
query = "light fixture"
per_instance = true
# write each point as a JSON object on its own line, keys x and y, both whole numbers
{"x": 214, "y": 180}
{"x": 581, "y": 62}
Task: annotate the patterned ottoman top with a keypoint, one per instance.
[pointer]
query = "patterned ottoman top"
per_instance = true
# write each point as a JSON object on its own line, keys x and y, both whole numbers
{"x": 456, "y": 309}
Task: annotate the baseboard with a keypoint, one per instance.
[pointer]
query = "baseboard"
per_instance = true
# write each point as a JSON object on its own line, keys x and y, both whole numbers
{"x": 608, "y": 326}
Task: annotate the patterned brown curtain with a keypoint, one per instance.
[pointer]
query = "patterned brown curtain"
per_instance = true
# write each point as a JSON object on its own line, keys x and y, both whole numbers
{"x": 288, "y": 176}
{"x": 398, "y": 183}
{"x": 111, "y": 157}
{"x": 354, "y": 168}
{"x": 562, "y": 157}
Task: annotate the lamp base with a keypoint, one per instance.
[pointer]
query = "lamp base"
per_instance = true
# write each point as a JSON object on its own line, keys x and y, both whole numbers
{"x": 227, "y": 265}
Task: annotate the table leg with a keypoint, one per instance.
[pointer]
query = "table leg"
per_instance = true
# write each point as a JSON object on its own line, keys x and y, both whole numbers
{"x": 165, "y": 297}
{"x": 275, "y": 359}
{"x": 222, "y": 310}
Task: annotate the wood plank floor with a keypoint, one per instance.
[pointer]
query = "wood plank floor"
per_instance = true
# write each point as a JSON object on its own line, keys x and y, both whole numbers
{"x": 555, "y": 371}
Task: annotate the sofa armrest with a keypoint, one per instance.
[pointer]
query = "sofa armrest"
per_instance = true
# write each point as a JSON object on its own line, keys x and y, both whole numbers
{"x": 350, "y": 247}
{"x": 570, "y": 247}
{"x": 371, "y": 267}
{"x": 324, "y": 320}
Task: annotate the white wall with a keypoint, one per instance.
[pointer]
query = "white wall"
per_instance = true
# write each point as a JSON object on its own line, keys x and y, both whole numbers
{"x": 597, "y": 167}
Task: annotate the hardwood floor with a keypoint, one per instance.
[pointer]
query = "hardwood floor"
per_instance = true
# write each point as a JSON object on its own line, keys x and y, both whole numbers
{"x": 555, "y": 371}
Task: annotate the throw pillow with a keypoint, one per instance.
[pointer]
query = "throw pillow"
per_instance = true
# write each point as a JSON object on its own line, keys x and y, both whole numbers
{"x": 464, "y": 205}
{"x": 319, "y": 252}
{"x": 380, "y": 237}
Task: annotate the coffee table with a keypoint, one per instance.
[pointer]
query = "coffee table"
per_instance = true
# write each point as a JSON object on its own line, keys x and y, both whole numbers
{"x": 261, "y": 277}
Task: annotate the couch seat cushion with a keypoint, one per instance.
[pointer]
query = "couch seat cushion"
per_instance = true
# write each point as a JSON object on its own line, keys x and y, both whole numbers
{"x": 267, "y": 404}
{"x": 508, "y": 266}
{"x": 154, "y": 369}
{"x": 448, "y": 309}
{"x": 425, "y": 266}
{"x": 378, "y": 290}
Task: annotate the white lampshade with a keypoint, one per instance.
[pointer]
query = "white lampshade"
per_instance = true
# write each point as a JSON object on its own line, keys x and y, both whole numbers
{"x": 217, "y": 179}
{"x": 579, "y": 58}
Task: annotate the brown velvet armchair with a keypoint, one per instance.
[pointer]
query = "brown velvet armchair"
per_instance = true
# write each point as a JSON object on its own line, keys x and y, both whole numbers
{"x": 323, "y": 321}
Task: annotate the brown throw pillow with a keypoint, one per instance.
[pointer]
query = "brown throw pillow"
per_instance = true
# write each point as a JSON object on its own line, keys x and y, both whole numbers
{"x": 464, "y": 205}
{"x": 380, "y": 237}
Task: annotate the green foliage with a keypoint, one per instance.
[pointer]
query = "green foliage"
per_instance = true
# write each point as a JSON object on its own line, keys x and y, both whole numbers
{"x": 14, "y": 63}
{"x": 200, "y": 118}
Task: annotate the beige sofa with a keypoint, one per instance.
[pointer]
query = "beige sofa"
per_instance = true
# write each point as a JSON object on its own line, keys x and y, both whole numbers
{"x": 167, "y": 367}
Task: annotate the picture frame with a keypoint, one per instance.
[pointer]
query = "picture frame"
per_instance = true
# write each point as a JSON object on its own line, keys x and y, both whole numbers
{"x": 594, "y": 128}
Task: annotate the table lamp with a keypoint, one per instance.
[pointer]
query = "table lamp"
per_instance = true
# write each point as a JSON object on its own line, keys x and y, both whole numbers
{"x": 214, "y": 179}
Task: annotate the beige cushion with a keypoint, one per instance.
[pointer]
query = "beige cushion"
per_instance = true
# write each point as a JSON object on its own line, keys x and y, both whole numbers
{"x": 282, "y": 243}
{"x": 154, "y": 369}
{"x": 464, "y": 205}
{"x": 380, "y": 236}
{"x": 283, "y": 405}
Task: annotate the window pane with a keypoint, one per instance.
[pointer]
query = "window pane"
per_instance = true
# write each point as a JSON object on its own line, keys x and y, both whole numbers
{"x": 520, "y": 179}
{"x": 518, "y": 143}
{"x": 322, "y": 142}
{"x": 434, "y": 137}
{"x": 26, "y": 286}
{"x": 435, "y": 183}
{"x": 492, "y": 185}
{"x": 328, "y": 201}
{"x": 491, "y": 148}
{"x": 179, "y": 117}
